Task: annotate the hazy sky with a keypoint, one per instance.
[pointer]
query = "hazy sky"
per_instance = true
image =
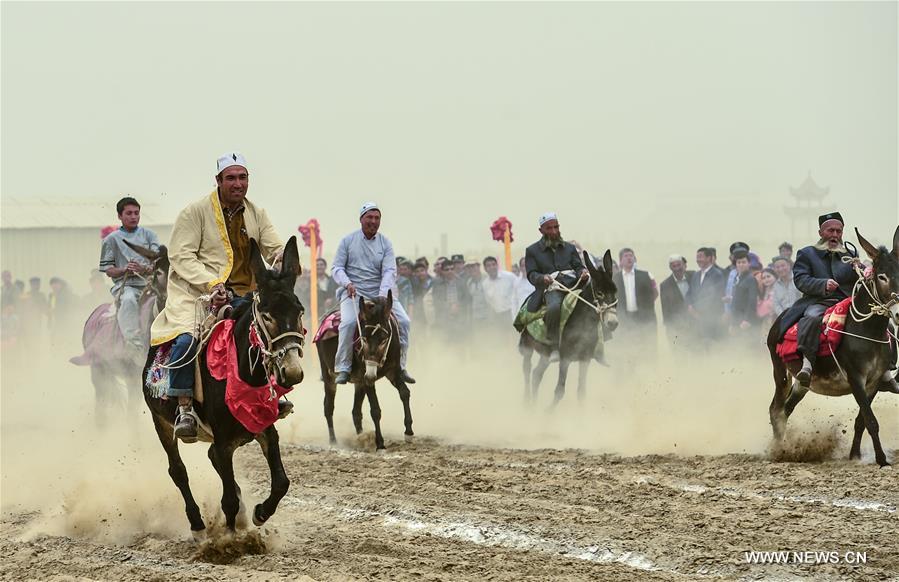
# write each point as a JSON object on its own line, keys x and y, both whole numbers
{"x": 635, "y": 121}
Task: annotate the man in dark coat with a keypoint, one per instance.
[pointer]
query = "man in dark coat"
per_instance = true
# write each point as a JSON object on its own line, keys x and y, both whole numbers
{"x": 673, "y": 296}
{"x": 705, "y": 299}
{"x": 825, "y": 280}
{"x": 637, "y": 292}
{"x": 547, "y": 260}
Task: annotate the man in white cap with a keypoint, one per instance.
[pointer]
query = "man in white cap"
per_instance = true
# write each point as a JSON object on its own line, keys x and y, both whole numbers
{"x": 209, "y": 253}
{"x": 547, "y": 260}
{"x": 365, "y": 265}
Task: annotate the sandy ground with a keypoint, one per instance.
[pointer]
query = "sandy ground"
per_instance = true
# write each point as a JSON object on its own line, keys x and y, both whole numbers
{"x": 663, "y": 472}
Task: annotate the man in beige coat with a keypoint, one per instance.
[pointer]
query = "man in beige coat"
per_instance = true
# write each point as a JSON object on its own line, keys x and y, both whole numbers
{"x": 210, "y": 254}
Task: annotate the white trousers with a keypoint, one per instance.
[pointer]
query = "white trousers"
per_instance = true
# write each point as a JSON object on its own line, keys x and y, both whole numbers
{"x": 348, "y": 307}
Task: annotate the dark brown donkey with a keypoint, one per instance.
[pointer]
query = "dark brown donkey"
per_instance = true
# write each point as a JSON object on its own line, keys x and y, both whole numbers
{"x": 376, "y": 355}
{"x": 275, "y": 312}
{"x": 859, "y": 363}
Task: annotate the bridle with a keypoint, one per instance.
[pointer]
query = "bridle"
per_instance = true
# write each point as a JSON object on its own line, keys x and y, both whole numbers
{"x": 265, "y": 342}
{"x": 376, "y": 328}
{"x": 878, "y": 306}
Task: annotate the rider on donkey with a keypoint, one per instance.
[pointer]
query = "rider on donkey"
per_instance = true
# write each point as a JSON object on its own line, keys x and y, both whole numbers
{"x": 365, "y": 265}
{"x": 824, "y": 279}
{"x": 126, "y": 268}
{"x": 547, "y": 260}
{"x": 209, "y": 254}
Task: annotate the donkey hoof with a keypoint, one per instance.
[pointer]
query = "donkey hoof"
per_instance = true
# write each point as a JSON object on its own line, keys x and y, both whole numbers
{"x": 199, "y": 535}
{"x": 409, "y": 438}
{"x": 258, "y": 520}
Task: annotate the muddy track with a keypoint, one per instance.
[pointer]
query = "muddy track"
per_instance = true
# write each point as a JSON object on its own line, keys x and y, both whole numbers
{"x": 434, "y": 511}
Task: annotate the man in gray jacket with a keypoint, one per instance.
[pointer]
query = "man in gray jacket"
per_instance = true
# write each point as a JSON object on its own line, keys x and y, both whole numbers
{"x": 548, "y": 260}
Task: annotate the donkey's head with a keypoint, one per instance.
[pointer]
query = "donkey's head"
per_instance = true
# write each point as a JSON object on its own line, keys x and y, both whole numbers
{"x": 278, "y": 314}
{"x": 886, "y": 273}
{"x": 604, "y": 290}
{"x": 159, "y": 273}
{"x": 376, "y": 333}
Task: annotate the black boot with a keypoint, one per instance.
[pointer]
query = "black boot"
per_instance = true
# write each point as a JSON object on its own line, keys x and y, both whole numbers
{"x": 186, "y": 427}
{"x": 805, "y": 374}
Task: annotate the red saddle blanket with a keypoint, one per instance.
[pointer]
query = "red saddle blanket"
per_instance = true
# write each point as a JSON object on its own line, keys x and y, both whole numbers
{"x": 255, "y": 407}
{"x": 833, "y": 322}
{"x": 328, "y": 327}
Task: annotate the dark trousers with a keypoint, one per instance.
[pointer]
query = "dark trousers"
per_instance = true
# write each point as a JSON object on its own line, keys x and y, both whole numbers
{"x": 808, "y": 333}
{"x": 553, "y": 315}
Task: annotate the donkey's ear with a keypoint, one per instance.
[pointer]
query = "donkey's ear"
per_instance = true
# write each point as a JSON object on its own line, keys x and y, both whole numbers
{"x": 143, "y": 251}
{"x": 389, "y": 304}
{"x": 607, "y": 262}
{"x": 869, "y": 248}
{"x": 361, "y": 305}
{"x": 588, "y": 262}
{"x": 290, "y": 261}
{"x": 896, "y": 243}
{"x": 256, "y": 263}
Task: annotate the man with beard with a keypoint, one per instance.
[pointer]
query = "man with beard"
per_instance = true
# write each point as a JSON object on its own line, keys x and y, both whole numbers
{"x": 548, "y": 260}
{"x": 825, "y": 280}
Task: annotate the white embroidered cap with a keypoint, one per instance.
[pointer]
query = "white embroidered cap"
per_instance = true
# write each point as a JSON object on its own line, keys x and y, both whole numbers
{"x": 230, "y": 159}
{"x": 547, "y": 217}
{"x": 368, "y": 206}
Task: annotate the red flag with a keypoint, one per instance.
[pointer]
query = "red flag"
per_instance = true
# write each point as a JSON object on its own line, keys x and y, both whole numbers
{"x": 498, "y": 229}
{"x": 307, "y": 229}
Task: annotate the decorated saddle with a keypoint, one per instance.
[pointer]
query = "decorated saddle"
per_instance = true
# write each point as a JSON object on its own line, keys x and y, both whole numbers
{"x": 255, "y": 407}
{"x": 532, "y": 321}
{"x": 833, "y": 322}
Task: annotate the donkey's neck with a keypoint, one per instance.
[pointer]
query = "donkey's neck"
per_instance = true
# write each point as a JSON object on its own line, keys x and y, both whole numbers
{"x": 875, "y": 326}
{"x": 241, "y": 331}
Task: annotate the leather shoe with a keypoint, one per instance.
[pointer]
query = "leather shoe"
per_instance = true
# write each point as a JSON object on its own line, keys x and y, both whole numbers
{"x": 342, "y": 378}
{"x": 407, "y": 379}
{"x": 186, "y": 428}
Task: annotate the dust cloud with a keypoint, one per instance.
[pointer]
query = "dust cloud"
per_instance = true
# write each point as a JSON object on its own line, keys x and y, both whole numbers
{"x": 111, "y": 484}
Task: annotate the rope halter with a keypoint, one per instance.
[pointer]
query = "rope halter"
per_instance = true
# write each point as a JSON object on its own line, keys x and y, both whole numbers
{"x": 270, "y": 356}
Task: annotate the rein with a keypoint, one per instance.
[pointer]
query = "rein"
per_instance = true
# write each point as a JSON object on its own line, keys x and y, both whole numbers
{"x": 877, "y": 308}
{"x": 599, "y": 308}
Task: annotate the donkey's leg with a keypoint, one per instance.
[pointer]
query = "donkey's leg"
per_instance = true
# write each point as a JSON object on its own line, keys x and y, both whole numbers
{"x": 242, "y": 509}
{"x": 537, "y": 375}
{"x": 178, "y": 473}
{"x": 782, "y": 383}
{"x": 560, "y": 384}
{"x": 375, "y": 409}
{"x": 358, "y": 397}
{"x": 583, "y": 366}
{"x": 224, "y": 463}
{"x": 269, "y": 441}
{"x": 797, "y": 393}
{"x": 861, "y": 398}
{"x": 856, "y": 451}
{"x": 330, "y": 393}
{"x": 407, "y": 410}
{"x": 106, "y": 393}
{"x": 526, "y": 369}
